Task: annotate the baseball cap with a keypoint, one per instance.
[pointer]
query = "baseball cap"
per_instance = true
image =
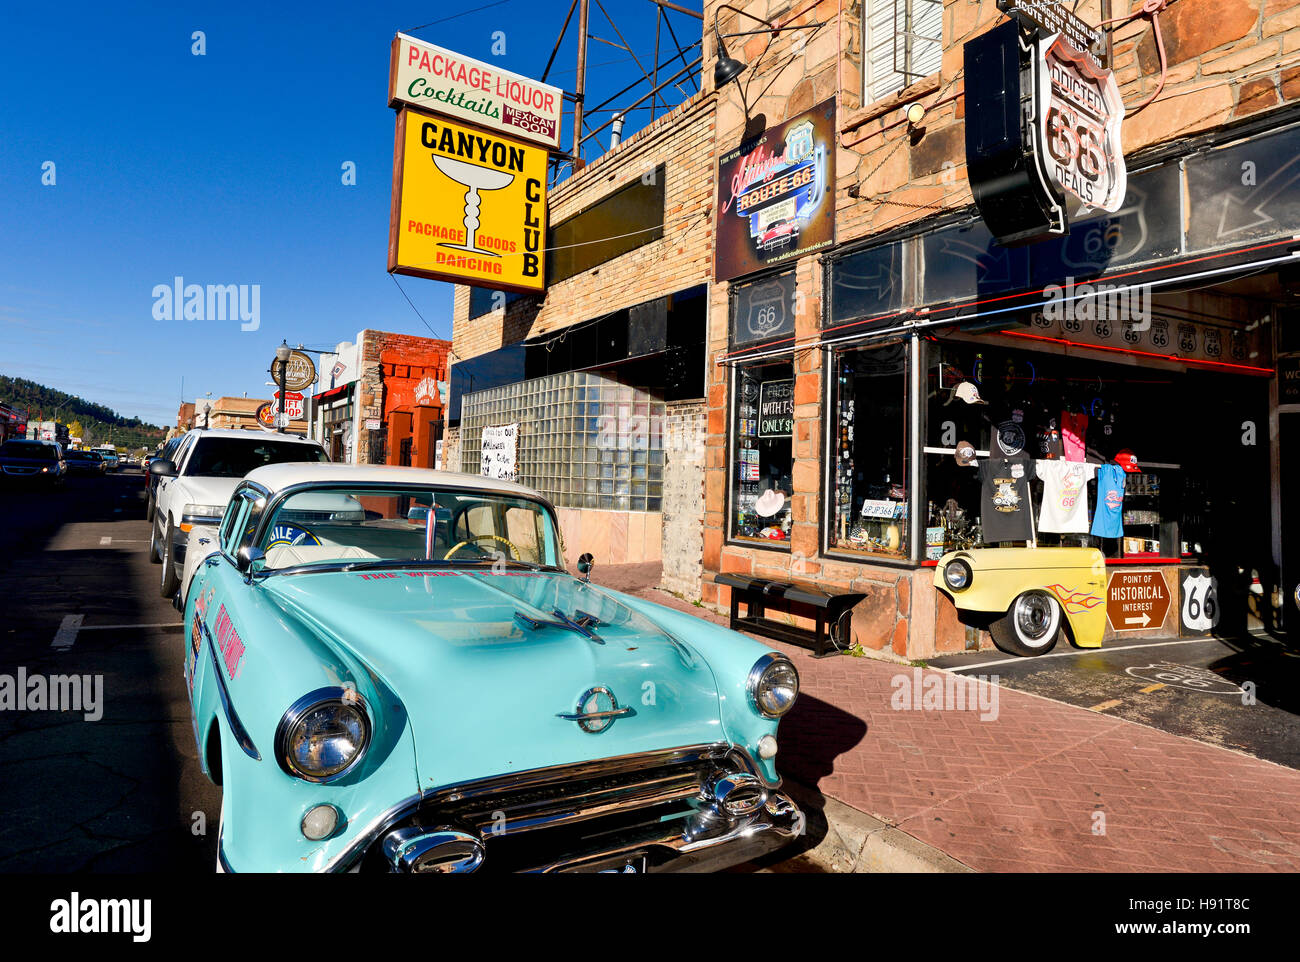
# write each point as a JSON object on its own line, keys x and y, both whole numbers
{"x": 1127, "y": 460}
{"x": 965, "y": 453}
{"x": 968, "y": 392}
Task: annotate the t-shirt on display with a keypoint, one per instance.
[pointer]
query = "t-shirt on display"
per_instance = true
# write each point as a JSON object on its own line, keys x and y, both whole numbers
{"x": 1065, "y": 496}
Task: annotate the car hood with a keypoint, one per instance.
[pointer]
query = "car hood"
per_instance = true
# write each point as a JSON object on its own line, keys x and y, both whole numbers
{"x": 200, "y": 490}
{"x": 483, "y": 689}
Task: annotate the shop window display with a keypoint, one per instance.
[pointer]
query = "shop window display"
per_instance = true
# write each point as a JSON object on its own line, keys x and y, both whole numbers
{"x": 869, "y": 453}
{"x": 762, "y": 460}
{"x": 1027, "y": 447}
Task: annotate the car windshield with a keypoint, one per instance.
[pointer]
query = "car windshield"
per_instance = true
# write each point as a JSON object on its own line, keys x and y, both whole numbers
{"x": 235, "y": 457}
{"x": 32, "y": 450}
{"x": 371, "y": 527}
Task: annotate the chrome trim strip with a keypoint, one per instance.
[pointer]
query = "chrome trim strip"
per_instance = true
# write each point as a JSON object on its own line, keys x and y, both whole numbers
{"x": 519, "y": 781}
{"x": 232, "y": 717}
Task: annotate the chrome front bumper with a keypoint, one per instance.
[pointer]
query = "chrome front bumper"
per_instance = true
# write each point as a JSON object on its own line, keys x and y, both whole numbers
{"x": 696, "y": 809}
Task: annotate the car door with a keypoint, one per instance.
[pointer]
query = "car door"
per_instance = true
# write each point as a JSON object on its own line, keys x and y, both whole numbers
{"x": 215, "y": 591}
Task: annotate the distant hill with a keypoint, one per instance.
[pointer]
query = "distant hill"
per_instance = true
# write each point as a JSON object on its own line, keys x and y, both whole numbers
{"x": 98, "y": 424}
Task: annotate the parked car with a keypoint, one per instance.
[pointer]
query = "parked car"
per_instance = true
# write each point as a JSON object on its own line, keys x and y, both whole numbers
{"x": 84, "y": 462}
{"x": 38, "y": 463}
{"x": 419, "y": 685}
{"x": 196, "y": 483}
{"x": 164, "y": 452}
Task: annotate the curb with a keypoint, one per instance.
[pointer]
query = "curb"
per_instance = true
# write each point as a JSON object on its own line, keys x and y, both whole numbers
{"x": 853, "y": 842}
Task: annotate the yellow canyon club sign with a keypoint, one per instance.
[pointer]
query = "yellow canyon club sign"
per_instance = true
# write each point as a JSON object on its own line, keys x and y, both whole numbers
{"x": 468, "y": 206}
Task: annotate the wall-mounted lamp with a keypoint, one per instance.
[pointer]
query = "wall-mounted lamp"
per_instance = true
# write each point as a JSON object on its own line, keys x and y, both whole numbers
{"x": 727, "y": 68}
{"x": 914, "y": 113}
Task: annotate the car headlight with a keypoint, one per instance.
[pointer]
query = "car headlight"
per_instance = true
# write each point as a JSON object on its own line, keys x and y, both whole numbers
{"x": 773, "y": 685}
{"x": 201, "y": 514}
{"x": 323, "y": 734}
{"x": 957, "y": 575}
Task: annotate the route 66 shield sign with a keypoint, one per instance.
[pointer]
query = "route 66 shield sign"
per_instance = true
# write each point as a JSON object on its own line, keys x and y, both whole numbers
{"x": 1200, "y": 611}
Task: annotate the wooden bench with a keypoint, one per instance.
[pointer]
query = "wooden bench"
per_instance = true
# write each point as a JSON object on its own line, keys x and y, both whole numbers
{"x": 829, "y": 609}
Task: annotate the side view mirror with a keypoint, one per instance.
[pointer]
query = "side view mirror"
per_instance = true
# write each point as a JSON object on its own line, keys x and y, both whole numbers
{"x": 247, "y": 557}
{"x": 163, "y": 468}
{"x": 585, "y": 562}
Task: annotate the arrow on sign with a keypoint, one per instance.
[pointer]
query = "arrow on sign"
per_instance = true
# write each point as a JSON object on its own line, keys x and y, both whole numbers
{"x": 1143, "y": 621}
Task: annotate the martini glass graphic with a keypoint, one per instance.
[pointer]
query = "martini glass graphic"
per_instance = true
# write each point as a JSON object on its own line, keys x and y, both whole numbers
{"x": 475, "y": 178}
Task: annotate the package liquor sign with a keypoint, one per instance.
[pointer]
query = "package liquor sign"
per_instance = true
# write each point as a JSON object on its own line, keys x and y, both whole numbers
{"x": 772, "y": 195}
{"x": 1080, "y": 126}
{"x": 447, "y": 83}
{"x": 468, "y": 206}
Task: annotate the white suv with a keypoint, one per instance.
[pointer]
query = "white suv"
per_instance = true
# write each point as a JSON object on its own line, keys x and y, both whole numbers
{"x": 196, "y": 485}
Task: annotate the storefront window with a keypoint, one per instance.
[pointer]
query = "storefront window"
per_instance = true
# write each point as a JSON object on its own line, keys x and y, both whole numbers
{"x": 762, "y": 453}
{"x": 1030, "y": 447}
{"x": 869, "y": 458}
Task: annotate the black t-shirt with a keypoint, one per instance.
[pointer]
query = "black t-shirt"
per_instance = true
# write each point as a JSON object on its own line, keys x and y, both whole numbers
{"x": 1005, "y": 511}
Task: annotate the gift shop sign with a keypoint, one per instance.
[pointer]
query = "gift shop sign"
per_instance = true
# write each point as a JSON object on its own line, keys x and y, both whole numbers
{"x": 1136, "y": 600}
{"x": 454, "y": 86}
{"x": 773, "y": 202}
{"x": 1080, "y": 126}
{"x": 468, "y": 206}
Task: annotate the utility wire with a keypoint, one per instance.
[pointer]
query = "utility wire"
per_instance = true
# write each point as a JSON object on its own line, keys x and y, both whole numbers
{"x": 463, "y": 13}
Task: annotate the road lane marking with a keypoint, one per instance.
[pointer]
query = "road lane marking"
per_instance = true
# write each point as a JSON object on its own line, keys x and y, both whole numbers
{"x": 66, "y": 636}
{"x": 1077, "y": 651}
{"x": 106, "y": 540}
{"x": 1104, "y": 705}
{"x": 1150, "y": 688}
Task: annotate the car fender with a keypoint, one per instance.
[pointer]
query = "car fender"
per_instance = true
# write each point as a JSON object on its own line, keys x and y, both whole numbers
{"x": 1076, "y": 577}
{"x": 264, "y": 661}
{"x": 729, "y": 655}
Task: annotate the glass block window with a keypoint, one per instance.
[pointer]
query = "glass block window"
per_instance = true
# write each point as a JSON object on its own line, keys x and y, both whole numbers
{"x": 585, "y": 440}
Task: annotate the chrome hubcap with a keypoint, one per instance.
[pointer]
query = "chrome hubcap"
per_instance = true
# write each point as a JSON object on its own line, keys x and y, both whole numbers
{"x": 1034, "y": 617}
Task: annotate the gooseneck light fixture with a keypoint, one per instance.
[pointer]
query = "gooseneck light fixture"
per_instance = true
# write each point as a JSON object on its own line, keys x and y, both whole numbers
{"x": 728, "y": 68}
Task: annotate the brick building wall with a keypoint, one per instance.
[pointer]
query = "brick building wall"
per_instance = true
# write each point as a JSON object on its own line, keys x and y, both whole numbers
{"x": 683, "y": 142}
{"x": 391, "y": 368}
{"x": 1227, "y": 60}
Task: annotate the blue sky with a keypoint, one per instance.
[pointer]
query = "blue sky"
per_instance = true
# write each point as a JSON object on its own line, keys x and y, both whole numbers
{"x": 226, "y": 168}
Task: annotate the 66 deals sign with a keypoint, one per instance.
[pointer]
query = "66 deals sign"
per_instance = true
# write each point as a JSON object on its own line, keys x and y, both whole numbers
{"x": 449, "y": 83}
{"x": 1081, "y": 113}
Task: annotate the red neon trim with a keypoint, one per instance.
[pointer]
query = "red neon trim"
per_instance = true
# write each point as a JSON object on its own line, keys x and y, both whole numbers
{"x": 1125, "y": 350}
{"x": 1143, "y": 560}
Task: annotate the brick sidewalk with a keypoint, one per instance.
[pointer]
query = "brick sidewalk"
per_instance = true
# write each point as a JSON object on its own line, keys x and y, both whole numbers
{"x": 1019, "y": 793}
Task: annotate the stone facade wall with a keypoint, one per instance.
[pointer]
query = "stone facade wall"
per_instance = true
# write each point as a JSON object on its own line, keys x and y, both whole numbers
{"x": 1227, "y": 60}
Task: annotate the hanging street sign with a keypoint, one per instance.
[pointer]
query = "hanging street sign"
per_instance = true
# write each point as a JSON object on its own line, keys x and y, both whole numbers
{"x": 300, "y": 374}
{"x": 447, "y": 83}
{"x": 468, "y": 207}
{"x": 1079, "y": 128}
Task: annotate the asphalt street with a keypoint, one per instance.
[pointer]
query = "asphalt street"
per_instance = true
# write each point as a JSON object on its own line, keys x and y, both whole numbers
{"x": 122, "y": 792}
{"x": 1239, "y": 693}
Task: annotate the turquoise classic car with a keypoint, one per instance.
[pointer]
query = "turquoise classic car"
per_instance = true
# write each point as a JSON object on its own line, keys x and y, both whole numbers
{"x": 391, "y": 670}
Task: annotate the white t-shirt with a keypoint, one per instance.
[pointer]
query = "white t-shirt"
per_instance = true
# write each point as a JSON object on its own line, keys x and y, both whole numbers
{"x": 1065, "y": 496}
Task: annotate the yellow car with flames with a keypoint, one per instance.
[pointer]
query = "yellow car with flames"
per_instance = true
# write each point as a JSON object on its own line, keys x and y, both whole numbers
{"x": 1028, "y": 596}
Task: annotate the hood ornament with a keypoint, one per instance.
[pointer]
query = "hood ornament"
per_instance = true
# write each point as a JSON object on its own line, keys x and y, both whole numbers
{"x": 597, "y": 709}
